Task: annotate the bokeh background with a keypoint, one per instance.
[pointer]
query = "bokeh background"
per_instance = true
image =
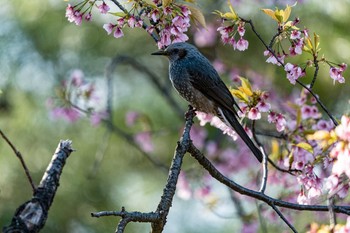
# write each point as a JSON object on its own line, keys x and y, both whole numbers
{"x": 39, "y": 48}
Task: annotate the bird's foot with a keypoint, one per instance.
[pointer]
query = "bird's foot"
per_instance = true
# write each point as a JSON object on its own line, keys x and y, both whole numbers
{"x": 191, "y": 112}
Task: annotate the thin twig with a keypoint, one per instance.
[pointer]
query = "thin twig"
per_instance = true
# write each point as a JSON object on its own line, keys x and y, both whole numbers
{"x": 317, "y": 67}
{"x": 265, "y": 171}
{"x": 20, "y": 157}
{"x": 283, "y": 218}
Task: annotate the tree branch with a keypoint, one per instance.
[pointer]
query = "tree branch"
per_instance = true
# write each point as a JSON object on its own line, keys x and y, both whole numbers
{"x": 31, "y": 216}
{"x": 158, "y": 218}
{"x": 207, "y": 165}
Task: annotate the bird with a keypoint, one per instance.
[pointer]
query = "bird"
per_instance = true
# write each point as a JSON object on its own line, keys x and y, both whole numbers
{"x": 197, "y": 81}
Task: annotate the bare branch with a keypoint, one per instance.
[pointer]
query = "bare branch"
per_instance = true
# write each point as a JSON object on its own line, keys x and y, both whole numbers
{"x": 284, "y": 219}
{"x": 31, "y": 216}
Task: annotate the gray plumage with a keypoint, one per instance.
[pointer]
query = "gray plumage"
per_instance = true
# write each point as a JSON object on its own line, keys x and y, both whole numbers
{"x": 197, "y": 81}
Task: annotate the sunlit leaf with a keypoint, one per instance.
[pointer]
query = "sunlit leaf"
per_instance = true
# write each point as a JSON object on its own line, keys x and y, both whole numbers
{"x": 233, "y": 13}
{"x": 270, "y": 13}
{"x": 306, "y": 146}
{"x": 197, "y": 15}
{"x": 286, "y": 14}
{"x": 240, "y": 95}
{"x": 166, "y": 2}
{"x": 275, "y": 149}
{"x": 119, "y": 13}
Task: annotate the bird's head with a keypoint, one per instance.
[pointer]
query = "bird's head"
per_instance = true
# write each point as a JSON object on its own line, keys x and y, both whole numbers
{"x": 177, "y": 51}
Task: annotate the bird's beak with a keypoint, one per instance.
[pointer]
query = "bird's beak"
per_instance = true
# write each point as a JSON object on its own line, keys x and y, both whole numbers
{"x": 160, "y": 52}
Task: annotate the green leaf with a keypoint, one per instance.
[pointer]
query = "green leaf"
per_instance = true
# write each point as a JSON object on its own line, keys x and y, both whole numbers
{"x": 306, "y": 146}
{"x": 166, "y": 2}
{"x": 119, "y": 13}
{"x": 197, "y": 15}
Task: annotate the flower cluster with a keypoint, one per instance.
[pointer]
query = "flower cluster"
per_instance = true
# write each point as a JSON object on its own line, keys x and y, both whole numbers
{"x": 171, "y": 22}
{"x": 336, "y": 73}
{"x": 254, "y": 102}
{"x": 231, "y": 28}
{"x": 77, "y": 13}
{"x": 76, "y": 98}
{"x": 228, "y": 36}
{"x": 300, "y": 41}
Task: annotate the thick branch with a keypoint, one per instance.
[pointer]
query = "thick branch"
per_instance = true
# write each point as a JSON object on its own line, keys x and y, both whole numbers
{"x": 31, "y": 216}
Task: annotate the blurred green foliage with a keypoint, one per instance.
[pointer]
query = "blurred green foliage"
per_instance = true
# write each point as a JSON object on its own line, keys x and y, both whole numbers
{"x": 38, "y": 47}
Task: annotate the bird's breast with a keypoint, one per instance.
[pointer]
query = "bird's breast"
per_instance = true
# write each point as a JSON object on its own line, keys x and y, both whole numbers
{"x": 196, "y": 98}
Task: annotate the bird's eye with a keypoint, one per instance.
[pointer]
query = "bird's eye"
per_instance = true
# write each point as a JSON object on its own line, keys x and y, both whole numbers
{"x": 175, "y": 50}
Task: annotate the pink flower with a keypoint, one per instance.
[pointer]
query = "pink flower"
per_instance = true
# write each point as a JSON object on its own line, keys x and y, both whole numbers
{"x": 205, "y": 37}
{"x": 97, "y": 117}
{"x": 185, "y": 11}
{"x": 198, "y": 136}
{"x": 297, "y": 48}
{"x": 293, "y": 72}
{"x": 219, "y": 66}
{"x": 309, "y": 112}
{"x": 144, "y": 140}
{"x": 241, "y": 30}
{"x": 103, "y": 8}
{"x": 278, "y": 120}
{"x": 324, "y": 125}
{"x": 118, "y": 32}
{"x": 77, "y": 77}
{"x": 242, "y": 44}
{"x": 155, "y": 15}
{"x": 165, "y": 38}
{"x": 254, "y": 114}
{"x": 121, "y": 22}
{"x": 108, "y": 27}
{"x": 183, "y": 187}
{"x": 272, "y": 59}
{"x": 131, "y": 21}
{"x": 88, "y": 16}
{"x": 335, "y": 186}
{"x": 204, "y": 118}
{"x": 295, "y": 35}
{"x": 302, "y": 199}
{"x": 139, "y": 23}
{"x": 337, "y": 73}
{"x": 167, "y": 10}
{"x": 70, "y": 13}
{"x": 131, "y": 117}
{"x": 67, "y": 113}
{"x": 343, "y": 130}
{"x": 78, "y": 17}
{"x": 262, "y": 106}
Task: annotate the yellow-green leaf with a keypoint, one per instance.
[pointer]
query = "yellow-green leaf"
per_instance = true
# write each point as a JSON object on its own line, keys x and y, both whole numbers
{"x": 197, "y": 15}
{"x": 286, "y": 14}
{"x": 240, "y": 95}
{"x": 270, "y": 13}
{"x": 119, "y": 13}
{"x": 316, "y": 41}
{"x": 306, "y": 146}
{"x": 275, "y": 150}
{"x": 166, "y": 2}
{"x": 234, "y": 14}
{"x": 245, "y": 83}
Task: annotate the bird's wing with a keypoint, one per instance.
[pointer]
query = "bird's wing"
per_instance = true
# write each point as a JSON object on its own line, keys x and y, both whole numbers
{"x": 213, "y": 88}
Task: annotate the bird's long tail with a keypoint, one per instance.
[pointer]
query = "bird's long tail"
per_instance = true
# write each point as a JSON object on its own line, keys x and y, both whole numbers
{"x": 230, "y": 118}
